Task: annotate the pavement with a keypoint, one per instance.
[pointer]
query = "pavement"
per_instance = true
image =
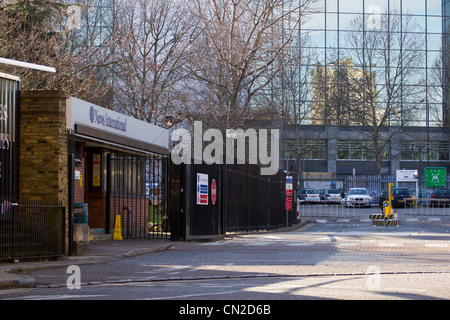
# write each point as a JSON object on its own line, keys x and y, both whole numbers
{"x": 13, "y": 275}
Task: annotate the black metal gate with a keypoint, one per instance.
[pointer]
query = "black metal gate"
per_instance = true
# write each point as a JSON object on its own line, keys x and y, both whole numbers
{"x": 244, "y": 201}
{"x": 137, "y": 191}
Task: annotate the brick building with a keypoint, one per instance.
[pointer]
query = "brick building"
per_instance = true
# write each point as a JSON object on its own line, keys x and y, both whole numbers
{"x": 74, "y": 152}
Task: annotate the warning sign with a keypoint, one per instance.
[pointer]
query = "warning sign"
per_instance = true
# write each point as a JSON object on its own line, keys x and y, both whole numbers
{"x": 288, "y": 204}
{"x": 202, "y": 189}
{"x": 118, "y": 229}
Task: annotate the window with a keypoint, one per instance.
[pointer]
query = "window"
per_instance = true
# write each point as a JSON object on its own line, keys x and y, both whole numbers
{"x": 309, "y": 149}
{"x": 416, "y": 151}
{"x": 128, "y": 175}
{"x": 360, "y": 150}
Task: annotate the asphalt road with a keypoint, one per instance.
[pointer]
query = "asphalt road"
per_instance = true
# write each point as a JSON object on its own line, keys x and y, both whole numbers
{"x": 318, "y": 261}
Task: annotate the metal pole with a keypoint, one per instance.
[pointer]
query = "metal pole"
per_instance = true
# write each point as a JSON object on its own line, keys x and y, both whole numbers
{"x": 27, "y": 65}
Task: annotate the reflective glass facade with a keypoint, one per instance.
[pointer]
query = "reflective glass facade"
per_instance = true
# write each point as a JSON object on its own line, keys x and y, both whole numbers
{"x": 375, "y": 62}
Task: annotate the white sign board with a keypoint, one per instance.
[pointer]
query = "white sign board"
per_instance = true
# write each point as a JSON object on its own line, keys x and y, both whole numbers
{"x": 202, "y": 189}
{"x": 87, "y": 114}
{"x": 407, "y": 175}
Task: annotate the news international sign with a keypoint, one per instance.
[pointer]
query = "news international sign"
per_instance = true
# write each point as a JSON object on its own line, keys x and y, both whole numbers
{"x": 88, "y": 115}
{"x": 101, "y": 117}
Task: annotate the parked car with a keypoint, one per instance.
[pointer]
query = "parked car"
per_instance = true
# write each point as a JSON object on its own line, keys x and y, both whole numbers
{"x": 330, "y": 195}
{"x": 308, "y": 195}
{"x": 373, "y": 196}
{"x": 440, "y": 197}
{"x": 357, "y": 197}
{"x": 400, "y": 197}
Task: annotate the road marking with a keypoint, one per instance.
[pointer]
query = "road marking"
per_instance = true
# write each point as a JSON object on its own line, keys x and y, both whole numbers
{"x": 61, "y": 296}
{"x": 300, "y": 244}
{"x": 212, "y": 244}
{"x": 262, "y": 243}
{"x": 192, "y": 295}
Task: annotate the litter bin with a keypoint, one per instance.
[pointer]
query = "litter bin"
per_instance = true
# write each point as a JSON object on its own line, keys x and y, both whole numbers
{"x": 80, "y": 217}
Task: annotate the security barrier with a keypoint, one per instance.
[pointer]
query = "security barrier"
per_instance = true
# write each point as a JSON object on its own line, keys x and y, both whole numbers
{"x": 422, "y": 207}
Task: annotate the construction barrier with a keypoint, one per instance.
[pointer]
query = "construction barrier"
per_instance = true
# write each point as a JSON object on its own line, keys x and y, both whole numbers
{"x": 391, "y": 222}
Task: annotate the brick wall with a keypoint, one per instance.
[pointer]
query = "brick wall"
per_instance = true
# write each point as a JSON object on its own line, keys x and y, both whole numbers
{"x": 43, "y": 171}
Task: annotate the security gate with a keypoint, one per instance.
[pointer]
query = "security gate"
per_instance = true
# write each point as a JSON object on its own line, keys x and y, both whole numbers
{"x": 207, "y": 201}
{"x": 136, "y": 190}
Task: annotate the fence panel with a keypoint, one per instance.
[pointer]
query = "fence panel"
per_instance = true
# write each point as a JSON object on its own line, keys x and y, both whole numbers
{"x": 31, "y": 230}
{"x": 322, "y": 209}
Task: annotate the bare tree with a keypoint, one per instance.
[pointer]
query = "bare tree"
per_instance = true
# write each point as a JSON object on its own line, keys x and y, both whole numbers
{"x": 388, "y": 57}
{"x": 37, "y": 32}
{"x": 236, "y": 54}
{"x": 152, "y": 38}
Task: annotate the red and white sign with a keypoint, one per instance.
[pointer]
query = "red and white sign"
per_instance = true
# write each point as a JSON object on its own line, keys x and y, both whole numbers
{"x": 288, "y": 204}
{"x": 213, "y": 192}
{"x": 202, "y": 189}
{"x": 289, "y": 190}
{"x": 289, "y": 186}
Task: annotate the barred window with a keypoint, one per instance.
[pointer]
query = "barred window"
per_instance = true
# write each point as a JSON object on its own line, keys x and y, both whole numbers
{"x": 360, "y": 150}
{"x": 433, "y": 151}
{"x": 309, "y": 149}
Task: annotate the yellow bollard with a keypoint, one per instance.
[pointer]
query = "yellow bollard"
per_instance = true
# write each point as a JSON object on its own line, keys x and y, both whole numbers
{"x": 386, "y": 208}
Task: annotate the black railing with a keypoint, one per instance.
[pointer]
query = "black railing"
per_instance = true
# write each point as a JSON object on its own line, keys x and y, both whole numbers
{"x": 31, "y": 230}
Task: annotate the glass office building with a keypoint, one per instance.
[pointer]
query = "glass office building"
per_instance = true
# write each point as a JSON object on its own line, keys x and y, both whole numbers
{"x": 373, "y": 86}
{"x": 375, "y": 62}
{"x": 446, "y": 59}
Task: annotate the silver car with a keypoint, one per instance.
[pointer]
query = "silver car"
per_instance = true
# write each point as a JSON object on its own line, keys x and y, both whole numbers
{"x": 330, "y": 195}
{"x": 357, "y": 197}
{"x": 308, "y": 196}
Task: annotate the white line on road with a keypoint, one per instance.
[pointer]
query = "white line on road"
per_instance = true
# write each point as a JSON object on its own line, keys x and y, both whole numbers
{"x": 192, "y": 295}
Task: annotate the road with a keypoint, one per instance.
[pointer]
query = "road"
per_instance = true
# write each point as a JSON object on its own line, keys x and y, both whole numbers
{"x": 318, "y": 261}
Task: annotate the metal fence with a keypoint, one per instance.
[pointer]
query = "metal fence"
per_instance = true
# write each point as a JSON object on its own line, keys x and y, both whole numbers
{"x": 255, "y": 202}
{"x": 31, "y": 230}
{"x": 421, "y": 207}
{"x": 137, "y": 191}
{"x": 379, "y": 183}
{"x": 322, "y": 209}
{"x": 244, "y": 201}
{"x": 428, "y": 207}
